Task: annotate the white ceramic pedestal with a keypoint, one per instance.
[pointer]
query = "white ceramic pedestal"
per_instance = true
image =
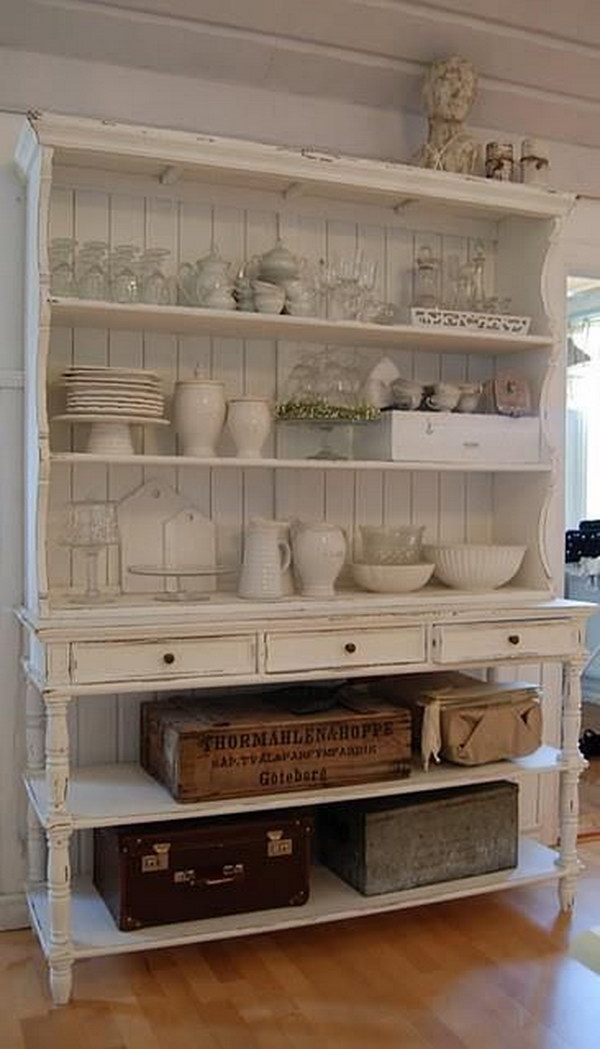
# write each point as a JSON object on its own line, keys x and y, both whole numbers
{"x": 110, "y": 434}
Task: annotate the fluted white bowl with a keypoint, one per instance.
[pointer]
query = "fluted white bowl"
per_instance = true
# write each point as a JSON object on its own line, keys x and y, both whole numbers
{"x": 392, "y": 579}
{"x": 472, "y": 566}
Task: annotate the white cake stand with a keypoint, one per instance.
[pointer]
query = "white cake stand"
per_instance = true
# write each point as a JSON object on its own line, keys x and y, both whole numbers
{"x": 110, "y": 434}
{"x": 174, "y": 577}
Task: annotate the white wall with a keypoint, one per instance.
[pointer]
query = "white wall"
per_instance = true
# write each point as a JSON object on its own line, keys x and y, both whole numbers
{"x": 11, "y": 289}
{"x": 30, "y": 81}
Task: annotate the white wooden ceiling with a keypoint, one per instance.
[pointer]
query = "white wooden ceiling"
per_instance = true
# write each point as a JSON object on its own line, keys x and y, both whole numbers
{"x": 539, "y": 60}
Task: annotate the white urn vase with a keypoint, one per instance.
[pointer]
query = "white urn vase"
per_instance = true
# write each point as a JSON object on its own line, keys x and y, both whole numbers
{"x": 199, "y": 409}
{"x": 319, "y": 552}
{"x": 249, "y": 420}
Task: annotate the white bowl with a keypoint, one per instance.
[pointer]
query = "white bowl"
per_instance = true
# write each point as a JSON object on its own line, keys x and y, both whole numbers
{"x": 472, "y": 566}
{"x": 392, "y": 579}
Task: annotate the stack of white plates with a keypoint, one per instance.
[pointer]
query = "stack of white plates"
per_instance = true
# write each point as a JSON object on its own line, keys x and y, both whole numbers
{"x": 128, "y": 392}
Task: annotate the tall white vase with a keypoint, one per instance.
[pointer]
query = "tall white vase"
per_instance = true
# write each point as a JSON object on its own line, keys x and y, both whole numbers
{"x": 249, "y": 420}
{"x": 319, "y": 551}
{"x": 199, "y": 414}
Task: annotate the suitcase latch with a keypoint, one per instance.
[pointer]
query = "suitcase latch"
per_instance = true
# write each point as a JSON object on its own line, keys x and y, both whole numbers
{"x": 277, "y": 845}
{"x": 159, "y": 860}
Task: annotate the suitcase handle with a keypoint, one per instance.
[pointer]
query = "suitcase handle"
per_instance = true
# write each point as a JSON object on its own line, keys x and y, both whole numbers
{"x": 231, "y": 872}
{"x": 220, "y": 881}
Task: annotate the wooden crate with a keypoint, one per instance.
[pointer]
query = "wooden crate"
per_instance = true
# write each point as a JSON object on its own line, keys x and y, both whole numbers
{"x": 233, "y": 745}
{"x": 387, "y": 846}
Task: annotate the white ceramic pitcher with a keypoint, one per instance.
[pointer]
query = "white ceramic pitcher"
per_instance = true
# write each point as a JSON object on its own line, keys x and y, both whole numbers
{"x": 267, "y": 558}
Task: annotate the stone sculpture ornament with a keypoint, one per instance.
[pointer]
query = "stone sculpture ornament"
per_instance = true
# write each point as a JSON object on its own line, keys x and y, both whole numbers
{"x": 449, "y": 91}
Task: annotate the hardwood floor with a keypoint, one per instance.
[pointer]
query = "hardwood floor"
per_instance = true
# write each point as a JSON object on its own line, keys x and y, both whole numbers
{"x": 487, "y": 973}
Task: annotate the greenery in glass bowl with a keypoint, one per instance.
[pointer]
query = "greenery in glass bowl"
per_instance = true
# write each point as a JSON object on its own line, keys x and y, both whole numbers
{"x": 321, "y": 410}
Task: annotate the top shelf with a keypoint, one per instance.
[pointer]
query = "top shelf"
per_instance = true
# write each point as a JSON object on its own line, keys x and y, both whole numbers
{"x": 183, "y": 320}
{"x": 170, "y": 156}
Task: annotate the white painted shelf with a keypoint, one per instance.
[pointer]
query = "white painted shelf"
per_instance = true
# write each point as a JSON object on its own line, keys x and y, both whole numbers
{"x": 230, "y": 462}
{"x": 169, "y": 156}
{"x": 138, "y": 610}
{"x": 107, "y": 795}
{"x": 184, "y": 320}
{"x": 94, "y": 932}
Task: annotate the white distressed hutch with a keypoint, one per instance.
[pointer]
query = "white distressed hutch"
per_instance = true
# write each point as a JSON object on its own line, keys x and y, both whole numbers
{"x": 86, "y": 667}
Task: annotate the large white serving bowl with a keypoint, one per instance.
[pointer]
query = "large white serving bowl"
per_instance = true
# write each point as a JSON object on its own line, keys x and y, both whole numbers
{"x": 392, "y": 579}
{"x": 473, "y": 566}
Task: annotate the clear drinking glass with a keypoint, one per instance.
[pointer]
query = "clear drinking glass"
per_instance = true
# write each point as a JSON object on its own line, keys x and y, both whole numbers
{"x": 92, "y": 270}
{"x": 426, "y": 275}
{"x": 91, "y": 527}
{"x": 155, "y": 286}
{"x": 62, "y": 267}
{"x": 124, "y": 273}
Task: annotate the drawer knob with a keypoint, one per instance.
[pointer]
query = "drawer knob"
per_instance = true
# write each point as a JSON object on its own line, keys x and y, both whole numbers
{"x": 169, "y": 658}
{"x": 350, "y": 647}
{"x": 514, "y": 639}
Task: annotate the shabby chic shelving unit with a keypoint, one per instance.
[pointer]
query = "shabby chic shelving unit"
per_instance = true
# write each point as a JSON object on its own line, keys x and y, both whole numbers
{"x": 85, "y": 667}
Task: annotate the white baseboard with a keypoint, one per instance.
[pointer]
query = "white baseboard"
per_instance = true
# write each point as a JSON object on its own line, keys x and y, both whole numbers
{"x": 13, "y": 912}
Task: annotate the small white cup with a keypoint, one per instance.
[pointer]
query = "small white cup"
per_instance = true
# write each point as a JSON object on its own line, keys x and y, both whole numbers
{"x": 444, "y": 397}
{"x": 470, "y": 396}
{"x": 406, "y": 394}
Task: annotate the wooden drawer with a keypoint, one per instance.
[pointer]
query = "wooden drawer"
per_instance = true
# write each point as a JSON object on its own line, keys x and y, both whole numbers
{"x": 93, "y": 662}
{"x": 330, "y": 649}
{"x": 471, "y": 643}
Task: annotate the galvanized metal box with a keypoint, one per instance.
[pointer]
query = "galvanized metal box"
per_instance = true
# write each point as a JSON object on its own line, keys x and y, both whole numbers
{"x": 386, "y": 846}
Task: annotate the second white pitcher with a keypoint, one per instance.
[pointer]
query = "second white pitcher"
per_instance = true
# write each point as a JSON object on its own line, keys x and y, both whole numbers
{"x": 266, "y": 559}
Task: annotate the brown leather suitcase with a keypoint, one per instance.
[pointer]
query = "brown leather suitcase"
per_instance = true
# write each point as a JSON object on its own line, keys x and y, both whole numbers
{"x": 152, "y": 874}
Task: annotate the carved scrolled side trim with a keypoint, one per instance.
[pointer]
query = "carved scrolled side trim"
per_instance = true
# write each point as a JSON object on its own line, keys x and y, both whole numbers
{"x": 543, "y": 527}
{"x": 553, "y": 305}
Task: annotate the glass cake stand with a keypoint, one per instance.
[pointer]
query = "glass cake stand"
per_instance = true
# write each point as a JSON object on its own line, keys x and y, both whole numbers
{"x": 327, "y": 428}
{"x": 173, "y": 577}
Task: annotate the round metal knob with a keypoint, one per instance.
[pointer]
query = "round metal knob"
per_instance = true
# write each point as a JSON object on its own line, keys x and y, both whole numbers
{"x": 168, "y": 658}
{"x": 513, "y": 639}
{"x": 350, "y": 647}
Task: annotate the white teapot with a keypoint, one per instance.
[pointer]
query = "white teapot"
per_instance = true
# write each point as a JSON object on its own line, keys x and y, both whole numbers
{"x": 207, "y": 282}
{"x": 278, "y": 265}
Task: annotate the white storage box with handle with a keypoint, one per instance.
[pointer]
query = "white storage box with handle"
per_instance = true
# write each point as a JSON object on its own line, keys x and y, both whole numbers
{"x": 447, "y": 437}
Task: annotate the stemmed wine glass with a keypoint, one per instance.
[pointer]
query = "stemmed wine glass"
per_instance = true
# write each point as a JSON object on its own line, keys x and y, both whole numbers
{"x": 91, "y": 527}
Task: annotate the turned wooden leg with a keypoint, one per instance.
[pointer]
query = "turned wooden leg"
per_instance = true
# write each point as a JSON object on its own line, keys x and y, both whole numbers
{"x": 57, "y": 753}
{"x": 60, "y": 947}
{"x": 34, "y": 729}
{"x": 58, "y": 833}
{"x": 569, "y": 788}
{"x": 34, "y": 740}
